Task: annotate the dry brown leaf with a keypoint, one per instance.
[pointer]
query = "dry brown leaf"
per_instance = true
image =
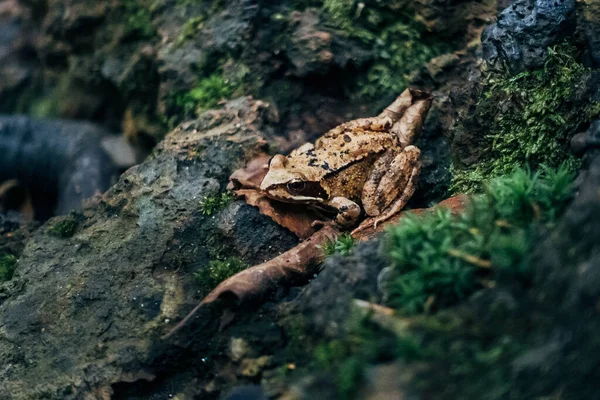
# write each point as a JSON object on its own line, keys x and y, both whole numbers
{"x": 292, "y": 268}
{"x": 250, "y": 176}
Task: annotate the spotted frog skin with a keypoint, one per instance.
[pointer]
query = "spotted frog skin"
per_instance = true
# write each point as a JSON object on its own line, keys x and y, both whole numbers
{"x": 367, "y": 165}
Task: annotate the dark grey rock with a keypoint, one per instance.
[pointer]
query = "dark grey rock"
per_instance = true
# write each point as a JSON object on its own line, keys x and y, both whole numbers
{"x": 326, "y": 302}
{"x": 83, "y": 316}
{"x": 524, "y": 31}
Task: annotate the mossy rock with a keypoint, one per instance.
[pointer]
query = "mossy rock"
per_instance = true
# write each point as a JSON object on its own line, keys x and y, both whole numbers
{"x": 527, "y": 119}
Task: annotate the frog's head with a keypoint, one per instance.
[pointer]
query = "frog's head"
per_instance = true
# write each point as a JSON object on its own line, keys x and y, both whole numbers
{"x": 290, "y": 185}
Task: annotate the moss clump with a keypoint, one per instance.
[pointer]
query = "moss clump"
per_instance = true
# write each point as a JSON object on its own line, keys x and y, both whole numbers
{"x": 138, "y": 18}
{"x": 8, "y": 263}
{"x": 343, "y": 245}
{"x": 217, "y": 271}
{"x": 206, "y": 94}
{"x": 437, "y": 261}
{"x": 401, "y": 44}
{"x": 64, "y": 228}
{"x": 215, "y": 203}
{"x": 440, "y": 259}
{"x": 189, "y": 29}
{"x": 532, "y": 117}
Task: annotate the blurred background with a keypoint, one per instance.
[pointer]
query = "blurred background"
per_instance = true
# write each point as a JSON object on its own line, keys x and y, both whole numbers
{"x": 126, "y": 72}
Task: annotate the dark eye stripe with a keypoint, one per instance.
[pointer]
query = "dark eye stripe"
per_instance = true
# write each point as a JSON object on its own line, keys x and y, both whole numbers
{"x": 314, "y": 189}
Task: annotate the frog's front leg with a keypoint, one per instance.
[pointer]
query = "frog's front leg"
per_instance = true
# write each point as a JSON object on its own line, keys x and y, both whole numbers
{"x": 347, "y": 211}
{"x": 390, "y": 186}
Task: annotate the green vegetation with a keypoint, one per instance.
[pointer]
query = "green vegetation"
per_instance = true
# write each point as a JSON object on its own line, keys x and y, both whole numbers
{"x": 401, "y": 43}
{"x": 440, "y": 259}
{"x": 529, "y": 118}
{"x": 217, "y": 271}
{"x": 206, "y": 94}
{"x": 343, "y": 245}
{"x": 8, "y": 263}
{"x": 189, "y": 29}
{"x": 215, "y": 203}
{"x": 138, "y": 18}
{"x": 65, "y": 227}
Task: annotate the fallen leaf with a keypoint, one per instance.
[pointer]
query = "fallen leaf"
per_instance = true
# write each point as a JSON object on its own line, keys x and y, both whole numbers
{"x": 295, "y": 267}
{"x": 251, "y": 176}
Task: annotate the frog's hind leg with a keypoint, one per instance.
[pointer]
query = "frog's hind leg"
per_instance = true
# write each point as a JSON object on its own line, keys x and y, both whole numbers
{"x": 395, "y": 188}
{"x": 408, "y": 127}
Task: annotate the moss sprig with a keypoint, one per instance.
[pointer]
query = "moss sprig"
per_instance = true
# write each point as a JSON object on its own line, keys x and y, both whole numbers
{"x": 440, "y": 259}
{"x": 343, "y": 245}
{"x": 8, "y": 263}
{"x": 532, "y": 117}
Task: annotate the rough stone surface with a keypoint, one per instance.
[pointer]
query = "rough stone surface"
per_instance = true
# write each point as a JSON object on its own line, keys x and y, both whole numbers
{"x": 83, "y": 316}
{"x": 326, "y": 301}
{"x": 589, "y": 24}
{"x": 524, "y": 31}
{"x": 567, "y": 275}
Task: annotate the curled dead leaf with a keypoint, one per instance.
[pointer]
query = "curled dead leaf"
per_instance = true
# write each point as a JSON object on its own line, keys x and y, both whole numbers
{"x": 292, "y": 268}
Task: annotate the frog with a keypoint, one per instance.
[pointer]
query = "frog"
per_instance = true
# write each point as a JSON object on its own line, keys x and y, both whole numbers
{"x": 366, "y": 167}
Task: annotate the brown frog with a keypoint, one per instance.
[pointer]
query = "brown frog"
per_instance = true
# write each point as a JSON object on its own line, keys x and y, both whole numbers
{"x": 368, "y": 164}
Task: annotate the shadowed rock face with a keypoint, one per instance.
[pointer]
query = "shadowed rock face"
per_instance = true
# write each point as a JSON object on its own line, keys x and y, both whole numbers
{"x": 85, "y": 313}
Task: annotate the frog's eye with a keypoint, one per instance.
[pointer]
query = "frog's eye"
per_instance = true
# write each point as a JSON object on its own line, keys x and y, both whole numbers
{"x": 296, "y": 186}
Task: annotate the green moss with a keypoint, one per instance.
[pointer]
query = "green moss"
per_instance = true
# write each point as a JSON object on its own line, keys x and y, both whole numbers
{"x": 532, "y": 117}
{"x": 215, "y": 203}
{"x": 205, "y": 94}
{"x": 343, "y": 245}
{"x": 440, "y": 259}
{"x": 217, "y": 271}
{"x": 8, "y": 263}
{"x": 138, "y": 18}
{"x": 400, "y": 42}
{"x": 189, "y": 29}
{"x": 64, "y": 228}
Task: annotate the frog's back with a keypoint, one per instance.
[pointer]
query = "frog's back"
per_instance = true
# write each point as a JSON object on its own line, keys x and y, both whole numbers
{"x": 338, "y": 151}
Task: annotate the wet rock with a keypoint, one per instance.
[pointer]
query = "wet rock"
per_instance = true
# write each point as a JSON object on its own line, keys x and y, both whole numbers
{"x": 312, "y": 49}
{"x": 524, "y": 31}
{"x": 589, "y": 24}
{"x": 587, "y": 143}
{"x": 567, "y": 277}
{"x": 84, "y": 314}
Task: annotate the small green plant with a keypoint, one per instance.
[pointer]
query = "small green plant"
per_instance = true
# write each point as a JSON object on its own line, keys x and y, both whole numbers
{"x": 217, "y": 271}
{"x": 64, "y": 228}
{"x": 530, "y": 118}
{"x": 343, "y": 245}
{"x": 8, "y": 263}
{"x": 138, "y": 18}
{"x": 215, "y": 203}
{"x": 189, "y": 29}
{"x": 440, "y": 259}
{"x": 400, "y": 43}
